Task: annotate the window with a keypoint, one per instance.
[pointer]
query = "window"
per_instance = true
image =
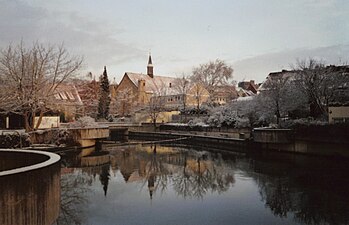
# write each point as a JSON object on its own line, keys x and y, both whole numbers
{"x": 63, "y": 96}
{"x": 70, "y": 95}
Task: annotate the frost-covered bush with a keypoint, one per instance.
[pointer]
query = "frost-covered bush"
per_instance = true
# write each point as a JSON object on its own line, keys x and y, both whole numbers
{"x": 192, "y": 110}
{"x": 85, "y": 121}
{"x": 223, "y": 117}
{"x": 62, "y": 137}
{"x": 303, "y": 122}
{"x": 197, "y": 122}
{"x": 14, "y": 140}
{"x": 216, "y": 119}
{"x": 242, "y": 122}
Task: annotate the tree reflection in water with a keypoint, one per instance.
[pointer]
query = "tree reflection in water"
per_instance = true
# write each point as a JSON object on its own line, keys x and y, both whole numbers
{"x": 191, "y": 173}
{"x": 104, "y": 177}
{"x": 74, "y": 187}
{"x": 315, "y": 190}
{"x": 311, "y": 190}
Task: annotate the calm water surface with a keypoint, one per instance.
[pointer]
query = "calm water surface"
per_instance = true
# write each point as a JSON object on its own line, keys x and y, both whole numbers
{"x": 174, "y": 185}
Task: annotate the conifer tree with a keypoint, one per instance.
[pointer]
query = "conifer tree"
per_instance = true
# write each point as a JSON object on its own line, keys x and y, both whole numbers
{"x": 104, "y": 97}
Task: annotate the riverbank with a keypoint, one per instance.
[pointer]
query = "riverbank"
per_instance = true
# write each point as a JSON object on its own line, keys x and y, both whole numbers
{"x": 281, "y": 140}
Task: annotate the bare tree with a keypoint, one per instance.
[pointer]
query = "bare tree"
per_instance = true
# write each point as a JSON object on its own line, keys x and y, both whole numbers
{"x": 199, "y": 92}
{"x": 274, "y": 97}
{"x": 30, "y": 77}
{"x": 156, "y": 103}
{"x": 124, "y": 101}
{"x": 182, "y": 86}
{"x": 89, "y": 94}
{"x": 320, "y": 83}
{"x": 212, "y": 74}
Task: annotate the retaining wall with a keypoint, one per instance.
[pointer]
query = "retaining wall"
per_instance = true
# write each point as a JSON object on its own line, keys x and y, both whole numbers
{"x": 232, "y": 144}
{"x": 29, "y": 187}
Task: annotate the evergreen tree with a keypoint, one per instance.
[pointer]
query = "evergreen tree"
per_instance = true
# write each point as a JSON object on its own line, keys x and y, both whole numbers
{"x": 104, "y": 97}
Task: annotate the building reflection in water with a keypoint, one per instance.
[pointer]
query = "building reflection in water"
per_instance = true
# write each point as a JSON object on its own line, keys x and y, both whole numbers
{"x": 190, "y": 173}
{"x": 311, "y": 190}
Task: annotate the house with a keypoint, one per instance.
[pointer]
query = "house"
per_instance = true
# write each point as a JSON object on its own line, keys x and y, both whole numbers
{"x": 334, "y": 90}
{"x": 67, "y": 102}
{"x": 248, "y": 86}
{"x": 88, "y": 91}
{"x": 284, "y": 74}
{"x": 62, "y": 106}
{"x": 224, "y": 94}
{"x": 135, "y": 91}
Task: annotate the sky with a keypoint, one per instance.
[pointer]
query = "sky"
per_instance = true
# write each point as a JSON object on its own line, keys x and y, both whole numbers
{"x": 255, "y": 37}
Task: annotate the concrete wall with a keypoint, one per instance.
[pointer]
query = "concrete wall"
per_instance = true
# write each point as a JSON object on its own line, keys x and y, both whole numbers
{"x": 230, "y": 144}
{"x": 324, "y": 141}
{"x": 30, "y": 187}
{"x": 338, "y": 114}
{"x": 48, "y": 122}
{"x": 95, "y": 160}
{"x": 272, "y": 135}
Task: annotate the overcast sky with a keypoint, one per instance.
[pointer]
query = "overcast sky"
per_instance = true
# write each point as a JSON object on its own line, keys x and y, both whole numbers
{"x": 254, "y": 36}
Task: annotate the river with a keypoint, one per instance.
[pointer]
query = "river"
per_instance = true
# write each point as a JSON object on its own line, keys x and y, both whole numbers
{"x": 156, "y": 184}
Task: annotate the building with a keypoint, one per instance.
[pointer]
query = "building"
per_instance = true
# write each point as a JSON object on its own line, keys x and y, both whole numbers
{"x": 63, "y": 106}
{"x": 67, "y": 102}
{"x": 224, "y": 94}
{"x": 248, "y": 86}
{"x": 135, "y": 91}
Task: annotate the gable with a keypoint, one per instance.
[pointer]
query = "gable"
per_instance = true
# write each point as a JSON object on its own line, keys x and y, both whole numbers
{"x": 126, "y": 83}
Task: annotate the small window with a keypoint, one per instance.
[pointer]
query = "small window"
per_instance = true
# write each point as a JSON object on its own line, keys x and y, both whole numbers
{"x": 63, "y": 96}
{"x": 70, "y": 95}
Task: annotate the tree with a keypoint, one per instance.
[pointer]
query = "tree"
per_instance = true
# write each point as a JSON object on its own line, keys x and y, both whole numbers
{"x": 182, "y": 86}
{"x": 89, "y": 94}
{"x": 199, "y": 95}
{"x": 124, "y": 102}
{"x": 319, "y": 83}
{"x": 104, "y": 97}
{"x": 155, "y": 107}
{"x": 212, "y": 74}
{"x": 30, "y": 76}
{"x": 275, "y": 98}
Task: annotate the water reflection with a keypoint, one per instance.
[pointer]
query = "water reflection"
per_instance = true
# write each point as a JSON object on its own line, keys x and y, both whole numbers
{"x": 315, "y": 190}
{"x": 104, "y": 177}
{"x": 191, "y": 173}
{"x": 74, "y": 187}
{"x": 284, "y": 188}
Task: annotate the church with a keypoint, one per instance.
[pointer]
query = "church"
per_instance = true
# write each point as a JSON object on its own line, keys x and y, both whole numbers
{"x": 136, "y": 89}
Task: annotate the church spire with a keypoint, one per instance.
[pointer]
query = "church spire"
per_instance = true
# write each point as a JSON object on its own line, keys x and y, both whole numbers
{"x": 149, "y": 60}
{"x": 150, "y": 67}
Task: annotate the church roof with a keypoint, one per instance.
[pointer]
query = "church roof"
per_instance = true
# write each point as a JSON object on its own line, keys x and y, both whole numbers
{"x": 158, "y": 84}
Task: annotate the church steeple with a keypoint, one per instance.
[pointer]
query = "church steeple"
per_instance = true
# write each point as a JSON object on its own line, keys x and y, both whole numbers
{"x": 150, "y": 67}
